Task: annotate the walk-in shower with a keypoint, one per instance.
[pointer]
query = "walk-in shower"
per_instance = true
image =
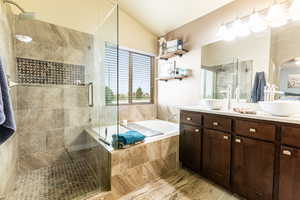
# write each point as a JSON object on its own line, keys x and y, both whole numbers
{"x": 57, "y": 81}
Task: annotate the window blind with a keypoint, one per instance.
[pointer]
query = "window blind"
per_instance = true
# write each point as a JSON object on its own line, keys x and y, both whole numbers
{"x": 135, "y": 76}
{"x": 141, "y": 78}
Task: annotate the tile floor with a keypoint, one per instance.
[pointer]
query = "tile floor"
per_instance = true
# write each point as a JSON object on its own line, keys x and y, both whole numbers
{"x": 65, "y": 181}
{"x": 180, "y": 185}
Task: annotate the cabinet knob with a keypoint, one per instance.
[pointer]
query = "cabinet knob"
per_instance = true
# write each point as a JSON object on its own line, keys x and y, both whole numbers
{"x": 287, "y": 152}
{"x": 252, "y": 130}
{"x": 215, "y": 123}
{"x": 226, "y": 137}
{"x": 197, "y": 130}
{"x": 188, "y": 118}
{"x": 238, "y": 140}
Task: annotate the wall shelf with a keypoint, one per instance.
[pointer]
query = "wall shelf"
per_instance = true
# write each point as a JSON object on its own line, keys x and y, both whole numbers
{"x": 173, "y": 54}
{"x": 166, "y": 79}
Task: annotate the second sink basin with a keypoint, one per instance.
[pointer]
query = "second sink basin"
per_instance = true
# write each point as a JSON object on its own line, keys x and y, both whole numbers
{"x": 280, "y": 108}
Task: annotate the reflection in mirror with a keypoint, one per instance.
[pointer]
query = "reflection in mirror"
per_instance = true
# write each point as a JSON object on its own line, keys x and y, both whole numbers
{"x": 290, "y": 78}
{"x": 217, "y": 79}
{"x": 234, "y": 64}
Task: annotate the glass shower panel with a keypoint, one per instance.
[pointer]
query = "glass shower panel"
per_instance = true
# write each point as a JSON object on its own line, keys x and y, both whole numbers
{"x": 107, "y": 88}
{"x": 67, "y": 107}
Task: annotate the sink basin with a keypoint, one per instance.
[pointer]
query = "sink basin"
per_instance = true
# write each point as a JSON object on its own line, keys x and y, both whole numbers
{"x": 214, "y": 104}
{"x": 280, "y": 108}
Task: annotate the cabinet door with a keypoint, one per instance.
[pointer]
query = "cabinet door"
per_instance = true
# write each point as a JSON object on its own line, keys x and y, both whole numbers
{"x": 216, "y": 156}
{"x": 253, "y": 168}
{"x": 190, "y": 147}
{"x": 289, "y": 181}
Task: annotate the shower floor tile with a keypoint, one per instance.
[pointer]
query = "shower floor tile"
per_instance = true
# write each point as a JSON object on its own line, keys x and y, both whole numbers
{"x": 60, "y": 182}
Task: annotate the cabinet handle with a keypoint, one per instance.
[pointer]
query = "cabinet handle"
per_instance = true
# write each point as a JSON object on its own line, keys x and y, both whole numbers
{"x": 188, "y": 118}
{"x": 225, "y": 137}
{"x": 215, "y": 123}
{"x": 197, "y": 130}
{"x": 252, "y": 130}
{"x": 238, "y": 140}
{"x": 287, "y": 152}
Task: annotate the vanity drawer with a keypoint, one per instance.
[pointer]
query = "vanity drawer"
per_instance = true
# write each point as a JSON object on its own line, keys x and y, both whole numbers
{"x": 291, "y": 136}
{"x": 192, "y": 118}
{"x": 256, "y": 130}
{"x": 217, "y": 123}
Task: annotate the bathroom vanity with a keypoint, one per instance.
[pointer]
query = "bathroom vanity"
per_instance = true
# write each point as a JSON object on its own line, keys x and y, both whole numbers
{"x": 258, "y": 159}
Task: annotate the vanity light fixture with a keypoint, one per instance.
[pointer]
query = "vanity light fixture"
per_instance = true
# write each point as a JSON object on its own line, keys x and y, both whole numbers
{"x": 277, "y": 15}
{"x": 294, "y": 11}
{"x": 226, "y": 33}
{"x": 297, "y": 61}
{"x": 240, "y": 28}
{"x": 257, "y": 23}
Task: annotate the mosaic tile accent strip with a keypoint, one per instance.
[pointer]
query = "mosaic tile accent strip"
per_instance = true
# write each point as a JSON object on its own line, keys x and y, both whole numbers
{"x": 60, "y": 182}
{"x": 31, "y": 71}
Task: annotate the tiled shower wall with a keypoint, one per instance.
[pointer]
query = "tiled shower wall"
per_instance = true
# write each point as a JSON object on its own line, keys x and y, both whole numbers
{"x": 53, "y": 115}
{"x": 8, "y": 150}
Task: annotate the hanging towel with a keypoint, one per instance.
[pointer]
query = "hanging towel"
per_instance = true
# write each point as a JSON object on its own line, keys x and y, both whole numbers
{"x": 7, "y": 120}
{"x": 257, "y": 93}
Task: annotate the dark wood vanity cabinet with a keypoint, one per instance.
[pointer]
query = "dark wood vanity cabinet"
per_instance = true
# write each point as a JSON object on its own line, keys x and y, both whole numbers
{"x": 289, "y": 179}
{"x": 190, "y": 147}
{"x": 216, "y": 156}
{"x": 253, "y": 168}
{"x": 259, "y": 160}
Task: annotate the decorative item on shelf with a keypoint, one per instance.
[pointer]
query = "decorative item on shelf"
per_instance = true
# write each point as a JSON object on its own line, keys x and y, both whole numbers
{"x": 276, "y": 16}
{"x": 172, "y": 72}
{"x": 169, "y": 49}
{"x": 162, "y": 46}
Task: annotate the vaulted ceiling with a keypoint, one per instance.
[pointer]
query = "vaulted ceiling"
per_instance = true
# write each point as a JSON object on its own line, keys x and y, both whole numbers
{"x": 162, "y": 16}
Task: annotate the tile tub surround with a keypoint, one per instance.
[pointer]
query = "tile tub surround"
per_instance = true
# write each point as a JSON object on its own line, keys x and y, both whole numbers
{"x": 136, "y": 166}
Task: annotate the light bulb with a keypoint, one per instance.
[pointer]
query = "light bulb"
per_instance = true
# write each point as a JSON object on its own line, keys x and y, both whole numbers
{"x": 24, "y": 38}
{"x": 225, "y": 33}
{"x": 257, "y": 23}
{"x": 240, "y": 28}
{"x": 294, "y": 10}
{"x": 277, "y": 16}
{"x": 221, "y": 30}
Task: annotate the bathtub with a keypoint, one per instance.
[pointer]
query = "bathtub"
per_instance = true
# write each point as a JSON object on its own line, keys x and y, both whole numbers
{"x": 168, "y": 129}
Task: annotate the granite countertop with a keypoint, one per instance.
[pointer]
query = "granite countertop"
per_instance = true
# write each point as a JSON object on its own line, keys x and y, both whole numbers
{"x": 259, "y": 115}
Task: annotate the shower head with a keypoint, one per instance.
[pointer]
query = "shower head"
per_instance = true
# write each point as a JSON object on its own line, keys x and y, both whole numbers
{"x": 27, "y": 15}
{"x": 23, "y": 14}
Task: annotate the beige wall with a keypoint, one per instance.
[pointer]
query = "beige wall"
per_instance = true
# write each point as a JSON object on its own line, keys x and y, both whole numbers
{"x": 134, "y": 35}
{"x": 197, "y": 34}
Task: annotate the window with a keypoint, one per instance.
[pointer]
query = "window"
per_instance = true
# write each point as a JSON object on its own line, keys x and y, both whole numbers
{"x": 135, "y": 77}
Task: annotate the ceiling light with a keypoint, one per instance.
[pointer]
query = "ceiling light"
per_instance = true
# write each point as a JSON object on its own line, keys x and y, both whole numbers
{"x": 222, "y": 30}
{"x": 277, "y": 15}
{"x": 240, "y": 28}
{"x": 294, "y": 10}
{"x": 257, "y": 23}
{"x": 24, "y": 38}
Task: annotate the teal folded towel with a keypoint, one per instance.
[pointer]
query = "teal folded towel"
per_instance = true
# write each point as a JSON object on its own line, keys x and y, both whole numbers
{"x": 130, "y": 137}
